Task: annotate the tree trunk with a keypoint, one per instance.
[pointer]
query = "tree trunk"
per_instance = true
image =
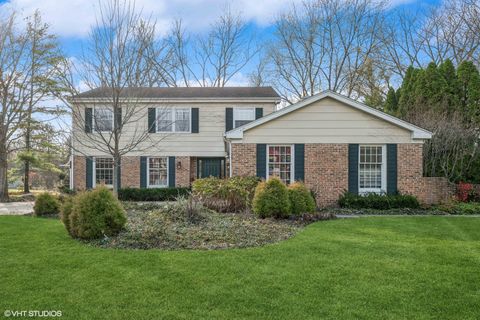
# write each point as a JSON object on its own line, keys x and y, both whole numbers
{"x": 3, "y": 174}
{"x": 26, "y": 178}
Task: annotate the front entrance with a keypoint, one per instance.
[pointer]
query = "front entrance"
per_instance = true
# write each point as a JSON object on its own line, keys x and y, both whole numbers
{"x": 210, "y": 167}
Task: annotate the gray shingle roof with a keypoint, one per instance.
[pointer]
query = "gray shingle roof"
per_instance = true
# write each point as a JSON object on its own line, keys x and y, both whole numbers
{"x": 186, "y": 92}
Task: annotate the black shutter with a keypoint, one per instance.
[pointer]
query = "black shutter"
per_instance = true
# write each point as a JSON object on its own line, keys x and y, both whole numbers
{"x": 171, "y": 172}
{"x": 299, "y": 162}
{"x": 195, "y": 120}
{"x": 353, "y": 168}
{"x": 228, "y": 119}
{"x": 88, "y": 120}
{"x": 143, "y": 172}
{"x": 391, "y": 168}
{"x": 89, "y": 173}
{"x": 151, "y": 120}
{"x": 258, "y": 113}
{"x": 118, "y": 118}
{"x": 262, "y": 161}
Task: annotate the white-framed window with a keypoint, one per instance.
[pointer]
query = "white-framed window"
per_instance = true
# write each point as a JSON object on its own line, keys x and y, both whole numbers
{"x": 242, "y": 116}
{"x": 103, "y": 119}
{"x": 157, "y": 169}
{"x": 103, "y": 170}
{"x": 280, "y": 162}
{"x": 173, "y": 119}
{"x": 372, "y": 169}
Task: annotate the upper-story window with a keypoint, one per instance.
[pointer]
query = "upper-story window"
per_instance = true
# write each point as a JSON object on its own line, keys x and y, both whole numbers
{"x": 173, "y": 119}
{"x": 372, "y": 169}
{"x": 243, "y": 116}
{"x": 103, "y": 119}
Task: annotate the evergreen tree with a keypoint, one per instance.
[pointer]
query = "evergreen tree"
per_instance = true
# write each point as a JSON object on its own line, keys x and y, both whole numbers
{"x": 469, "y": 92}
{"x": 391, "y": 102}
{"x": 451, "y": 96}
{"x": 430, "y": 88}
{"x": 407, "y": 98}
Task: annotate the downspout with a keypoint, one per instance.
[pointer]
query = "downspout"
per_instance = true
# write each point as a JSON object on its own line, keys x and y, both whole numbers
{"x": 230, "y": 158}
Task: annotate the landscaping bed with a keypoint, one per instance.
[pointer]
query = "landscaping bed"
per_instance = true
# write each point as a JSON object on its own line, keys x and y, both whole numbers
{"x": 158, "y": 225}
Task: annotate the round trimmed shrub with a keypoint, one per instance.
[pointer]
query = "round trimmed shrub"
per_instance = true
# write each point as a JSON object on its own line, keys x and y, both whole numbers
{"x": 66, "y": 210}
{"x": 46, "y": 204}
{"x": 271, "y": 199}
{"x": 96, "y": 213}
{"x": 301, "y": 199}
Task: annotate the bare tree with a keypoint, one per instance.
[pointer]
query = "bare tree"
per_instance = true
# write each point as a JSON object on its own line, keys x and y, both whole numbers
{"x": 14, "y": 71}
{"x": 322, "y": 44}
{"x": 212, "y": 60}
{"x": 451, "y": 31}
{"x": 117, "y": 63}
{"x": 453, "y": 148}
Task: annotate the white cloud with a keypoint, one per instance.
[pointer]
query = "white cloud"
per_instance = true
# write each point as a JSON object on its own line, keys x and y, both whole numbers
{"x": 73, "y": 18}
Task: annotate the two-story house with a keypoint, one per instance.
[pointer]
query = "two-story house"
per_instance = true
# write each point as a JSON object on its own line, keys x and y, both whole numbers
{"x": 186, "y": 128}
{"x": 329, "y": 141}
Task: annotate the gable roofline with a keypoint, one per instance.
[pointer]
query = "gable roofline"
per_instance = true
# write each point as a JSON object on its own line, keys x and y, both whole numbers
{"x": 417, "y": 132}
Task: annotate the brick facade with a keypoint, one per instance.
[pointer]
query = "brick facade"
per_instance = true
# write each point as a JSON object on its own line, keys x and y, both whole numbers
{"x": 182, "y": 171}
{"x": 130, "y": 172}
{"x": 79, "y": 169}
{"x": 244, "y": 159}
{"x": 326, "y": 171}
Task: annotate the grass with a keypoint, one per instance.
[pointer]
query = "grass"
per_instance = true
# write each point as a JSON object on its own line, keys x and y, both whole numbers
{"x": 365, "y": 268}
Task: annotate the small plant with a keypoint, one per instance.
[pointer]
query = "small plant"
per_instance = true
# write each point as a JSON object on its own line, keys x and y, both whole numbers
{"x": 234, "y": 194}
{"x": 377, "y": 201}
{"x": 301, "y": 199}
{"x": 186, "y": 209}
{"x": 46, "y": 204}
{"x": 95, "y": 214}
{"x": 465, "y": 191}
{"x": 271, "y": 199}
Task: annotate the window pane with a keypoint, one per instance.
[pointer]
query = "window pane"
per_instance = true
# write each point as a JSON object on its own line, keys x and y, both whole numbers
{"x": 164, "y": 119}
{"x": 103, "y": 119}
{"x": 243, "y": 116}
{"x": 279, "y": 162}
{"x": 104, "y": 171}
{"x": 182, "y": 120}
{"x": 157, "y": 175}
{"x": 370, "y": 168}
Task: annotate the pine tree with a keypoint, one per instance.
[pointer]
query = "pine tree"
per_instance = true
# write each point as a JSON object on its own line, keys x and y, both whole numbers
{"x": 469, "y": 93}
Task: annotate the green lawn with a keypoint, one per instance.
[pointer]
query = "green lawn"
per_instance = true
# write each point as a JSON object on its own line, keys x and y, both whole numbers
{"x": 381, "y": 267}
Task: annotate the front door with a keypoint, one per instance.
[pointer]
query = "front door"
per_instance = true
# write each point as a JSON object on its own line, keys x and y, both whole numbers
{"x": 210, "y": 167}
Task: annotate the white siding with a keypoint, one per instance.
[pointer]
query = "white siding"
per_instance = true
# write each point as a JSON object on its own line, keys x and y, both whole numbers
{"x": 208, "y": 142}
{"x": 327, "y": 121}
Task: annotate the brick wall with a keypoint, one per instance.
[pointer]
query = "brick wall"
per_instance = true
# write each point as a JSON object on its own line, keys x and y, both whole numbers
{"x": 244, "y": 159}
{"x": 130, "y": 172}
{"x": 182, "y": 174}
{"x": 410, "y": 169}
{"x": 326, "y": 171}
{"x": 79, "y": 169}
